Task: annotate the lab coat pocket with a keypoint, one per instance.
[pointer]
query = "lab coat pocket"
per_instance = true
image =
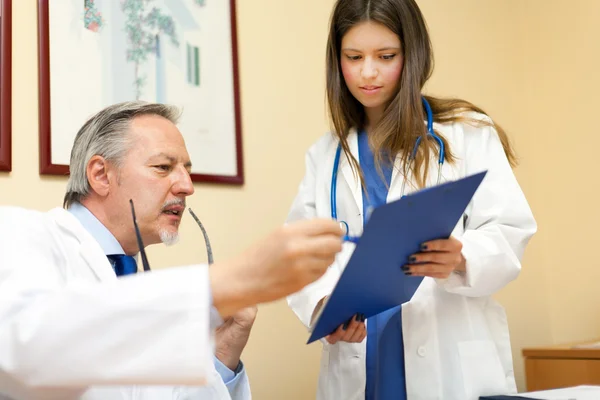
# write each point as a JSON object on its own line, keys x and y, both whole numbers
{"x": 350, "y": 355}
{"x": 346, "y": 373}
{"x": 481, "y": 369}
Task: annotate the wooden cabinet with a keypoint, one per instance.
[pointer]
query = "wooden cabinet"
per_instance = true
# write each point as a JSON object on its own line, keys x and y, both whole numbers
{"x": 562, "y": 366}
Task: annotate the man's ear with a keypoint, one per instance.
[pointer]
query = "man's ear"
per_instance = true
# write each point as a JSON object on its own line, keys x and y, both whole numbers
{"x": 98, "y": 175}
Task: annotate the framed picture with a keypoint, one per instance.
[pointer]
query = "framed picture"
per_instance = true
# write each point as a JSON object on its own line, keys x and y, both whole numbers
{"x": 94, "y": 53}
{"x": 5, "y": 85}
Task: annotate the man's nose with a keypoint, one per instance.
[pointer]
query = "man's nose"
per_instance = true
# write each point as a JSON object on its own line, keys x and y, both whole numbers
{"x": 183, "y": 184}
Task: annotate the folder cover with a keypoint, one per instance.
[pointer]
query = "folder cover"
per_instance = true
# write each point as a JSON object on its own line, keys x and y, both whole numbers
{"x": 373, "y": 280}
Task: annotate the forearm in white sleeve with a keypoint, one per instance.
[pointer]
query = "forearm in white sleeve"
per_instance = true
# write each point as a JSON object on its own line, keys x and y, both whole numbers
{"x": 499, "y": 221}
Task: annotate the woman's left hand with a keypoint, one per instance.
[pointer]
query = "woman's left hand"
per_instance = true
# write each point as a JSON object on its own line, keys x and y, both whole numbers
{"x": 437, "y": 259}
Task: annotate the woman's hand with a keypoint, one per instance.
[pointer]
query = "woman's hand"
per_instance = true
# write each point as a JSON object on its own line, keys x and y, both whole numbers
{"x": 353, "y": 331}
{"x": 437, "y": 259}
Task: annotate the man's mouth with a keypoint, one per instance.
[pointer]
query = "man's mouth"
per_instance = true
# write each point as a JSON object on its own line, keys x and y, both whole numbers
{"x": 175, "y": 208}
{"x": 173, "y": 212}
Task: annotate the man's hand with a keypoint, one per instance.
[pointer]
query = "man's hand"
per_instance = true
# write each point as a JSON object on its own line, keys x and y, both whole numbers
{"x": 283, "y": 263}
{"x": 294, "y": 256}
{"x": 232, "y": 336}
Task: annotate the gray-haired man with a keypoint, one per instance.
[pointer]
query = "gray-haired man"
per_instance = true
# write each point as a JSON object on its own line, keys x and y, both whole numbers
{"x": 71, "y": 329}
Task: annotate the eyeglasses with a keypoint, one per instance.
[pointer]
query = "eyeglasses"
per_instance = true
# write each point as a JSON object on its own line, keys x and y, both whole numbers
{"x": 141, "y": 243}
{"x": 206, "y": 240}
{"x": 139, "y": 239}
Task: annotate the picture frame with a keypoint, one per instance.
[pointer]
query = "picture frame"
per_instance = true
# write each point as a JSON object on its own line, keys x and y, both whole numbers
{"x": 5, "y": 84}
{"x": 93, "y": 53}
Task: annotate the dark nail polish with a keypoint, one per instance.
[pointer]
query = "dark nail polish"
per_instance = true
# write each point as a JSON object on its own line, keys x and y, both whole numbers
{"x": 412, "y": 259}
{"x": 362, "y": 318}
{"x": 405, "y": 268}
{"x": 357, "y": 317}
{"x": 408, "y": 273}
{"x": 345, "y": 325}
{"x": 423, "y": 247}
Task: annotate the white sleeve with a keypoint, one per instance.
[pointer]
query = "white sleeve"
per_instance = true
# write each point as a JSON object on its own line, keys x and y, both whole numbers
{"x": 499, "y": 221}
{"x": 237, "y": 383}
{"x": 304, "y": 302}
{"x": 217, "y": 390}
{"x": 214, "y": 391}
{"x": 145, "y": 329}
{"x": 239, "y": 389}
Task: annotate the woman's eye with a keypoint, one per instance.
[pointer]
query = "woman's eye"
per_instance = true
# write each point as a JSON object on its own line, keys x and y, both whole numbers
{"x": 388, "y": 56}
{"x": 353, "y": 58}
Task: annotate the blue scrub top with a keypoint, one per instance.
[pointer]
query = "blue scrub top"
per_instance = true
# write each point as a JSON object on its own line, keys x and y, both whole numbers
{"x": 385, "y": 348}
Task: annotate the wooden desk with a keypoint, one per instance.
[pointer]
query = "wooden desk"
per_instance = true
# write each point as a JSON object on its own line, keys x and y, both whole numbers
{"x": 562, "y": 366}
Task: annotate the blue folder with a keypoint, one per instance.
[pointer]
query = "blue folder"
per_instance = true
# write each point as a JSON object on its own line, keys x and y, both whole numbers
{"x": 373, "y": 280}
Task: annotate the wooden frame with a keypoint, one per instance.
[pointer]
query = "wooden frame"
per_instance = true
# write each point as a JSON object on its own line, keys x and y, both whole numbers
{"x": 5, "y": 84}
{"x": 230, "y": 146}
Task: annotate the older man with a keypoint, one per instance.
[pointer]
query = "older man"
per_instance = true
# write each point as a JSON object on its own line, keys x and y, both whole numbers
{"x": 76, "y": 322}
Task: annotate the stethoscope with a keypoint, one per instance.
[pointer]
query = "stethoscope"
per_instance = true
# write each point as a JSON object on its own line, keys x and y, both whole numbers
{"x": 336, "y": 164}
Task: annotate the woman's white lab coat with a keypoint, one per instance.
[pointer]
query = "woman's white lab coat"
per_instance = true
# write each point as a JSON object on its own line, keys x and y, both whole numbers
{"x": 57, "y": 323}
{"x": 456, "y": 339}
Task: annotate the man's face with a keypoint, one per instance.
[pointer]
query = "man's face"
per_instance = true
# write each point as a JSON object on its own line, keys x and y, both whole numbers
{"x": 155, "y": 174}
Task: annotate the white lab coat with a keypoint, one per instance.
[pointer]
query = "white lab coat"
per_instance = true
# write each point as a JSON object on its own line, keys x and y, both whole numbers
{"x": 456, "y": 338}
{"x": 65, "y": 336}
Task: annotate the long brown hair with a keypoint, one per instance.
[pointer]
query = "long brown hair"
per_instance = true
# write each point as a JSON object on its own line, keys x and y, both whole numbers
{"x": 404, "y": 118}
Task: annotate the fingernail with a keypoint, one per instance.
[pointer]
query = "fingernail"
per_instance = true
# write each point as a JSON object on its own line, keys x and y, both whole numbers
{"x": 345, "y": 325}
{"x": 408, "y": 273}
{"x": 405, "y": 268}
{"x": 362, "y": 317}
{"x": 357, "y": 317}
{"x": 423, "y": 246}
{"x": 412, "y": 259}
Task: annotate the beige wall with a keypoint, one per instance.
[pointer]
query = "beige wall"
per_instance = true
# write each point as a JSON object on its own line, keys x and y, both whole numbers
{"x": 480, "y": 56}
{"x": 562, "y": 95}
{"x": 532, "y": 64}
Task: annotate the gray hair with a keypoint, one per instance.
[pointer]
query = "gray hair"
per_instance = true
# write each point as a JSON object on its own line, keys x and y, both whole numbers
{"x": 106, "y": 134}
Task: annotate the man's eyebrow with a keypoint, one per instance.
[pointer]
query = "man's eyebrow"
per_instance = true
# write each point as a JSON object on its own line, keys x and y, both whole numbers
{"x": 171, "y": 159}
{"x": 164, "y": 155}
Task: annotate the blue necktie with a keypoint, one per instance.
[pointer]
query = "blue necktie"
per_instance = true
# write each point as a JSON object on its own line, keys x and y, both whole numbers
{"x": 123, "y": 265}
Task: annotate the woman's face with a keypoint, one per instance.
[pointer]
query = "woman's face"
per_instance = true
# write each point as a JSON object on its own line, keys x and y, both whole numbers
{"x": 371, "y": 62}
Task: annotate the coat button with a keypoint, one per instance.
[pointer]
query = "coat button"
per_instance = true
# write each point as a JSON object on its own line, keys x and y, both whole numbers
{"x": 422, "y": 351}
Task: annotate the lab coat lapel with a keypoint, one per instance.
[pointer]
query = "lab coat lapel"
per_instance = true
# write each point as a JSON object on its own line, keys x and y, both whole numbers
{"x": 395, "y": 191}
{"x": 89, "y": 250}
{"x": 397, "y": 180}
{"x": 351, "y": 178}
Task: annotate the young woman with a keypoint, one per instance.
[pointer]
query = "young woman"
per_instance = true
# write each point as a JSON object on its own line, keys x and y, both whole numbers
{"x": 451, "y": 340}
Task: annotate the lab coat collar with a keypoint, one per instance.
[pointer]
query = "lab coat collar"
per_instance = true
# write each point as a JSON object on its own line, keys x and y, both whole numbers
{"x": 89, "y": 249}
